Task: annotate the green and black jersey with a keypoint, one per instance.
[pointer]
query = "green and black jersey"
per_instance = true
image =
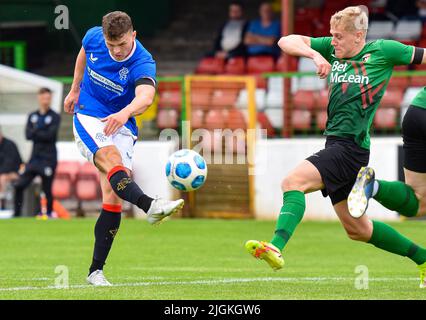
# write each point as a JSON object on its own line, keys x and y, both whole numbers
{"x": 420, "y": 99}
{"x": 357, "y": 84}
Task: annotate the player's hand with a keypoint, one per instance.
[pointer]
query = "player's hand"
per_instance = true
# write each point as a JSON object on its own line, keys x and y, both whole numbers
{"x": 114, "y": 122}
{"x": 323, "y": 66}
{"x": 70, "y": 100}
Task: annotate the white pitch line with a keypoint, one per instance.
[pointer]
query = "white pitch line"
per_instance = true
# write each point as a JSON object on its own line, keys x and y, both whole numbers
{"x": 209, "y": 282}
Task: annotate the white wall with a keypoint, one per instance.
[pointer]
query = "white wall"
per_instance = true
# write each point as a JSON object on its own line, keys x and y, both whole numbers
{"x": 275, "y": 159}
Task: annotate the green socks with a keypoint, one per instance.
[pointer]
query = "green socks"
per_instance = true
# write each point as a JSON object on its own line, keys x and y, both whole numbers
{"x": 387, "y": 238}
{"x": 397, "y": 196}
{"x": 290, "y": 216}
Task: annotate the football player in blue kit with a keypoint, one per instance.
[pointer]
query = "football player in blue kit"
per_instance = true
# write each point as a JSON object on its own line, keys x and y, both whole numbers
{"x": 114, "y": 80}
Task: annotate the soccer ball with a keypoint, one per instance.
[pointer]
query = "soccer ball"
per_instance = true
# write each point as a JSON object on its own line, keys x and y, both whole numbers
{"x": 186, "y": 170}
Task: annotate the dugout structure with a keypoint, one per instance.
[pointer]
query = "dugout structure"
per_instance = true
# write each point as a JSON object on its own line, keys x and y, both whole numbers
{"x": 219, "y": 121}
{"x": 18, "y": 97}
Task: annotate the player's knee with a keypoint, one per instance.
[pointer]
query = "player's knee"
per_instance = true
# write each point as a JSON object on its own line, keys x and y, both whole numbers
{"x": 358, "y": 233}
{"x": 291, "y": 183}
{"x": 107, "y": 158}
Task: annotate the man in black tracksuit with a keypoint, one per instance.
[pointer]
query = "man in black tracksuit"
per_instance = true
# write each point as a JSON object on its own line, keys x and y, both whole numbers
{"x": 42, "y": 128}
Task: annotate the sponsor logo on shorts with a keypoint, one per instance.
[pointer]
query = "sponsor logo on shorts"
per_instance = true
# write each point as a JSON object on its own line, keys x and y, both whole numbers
{"x": 101, "y": 137}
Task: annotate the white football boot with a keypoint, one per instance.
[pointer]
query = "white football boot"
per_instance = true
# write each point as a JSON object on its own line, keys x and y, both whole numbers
{"x": 161, "y": 208}
{"x": 97, "y": 279}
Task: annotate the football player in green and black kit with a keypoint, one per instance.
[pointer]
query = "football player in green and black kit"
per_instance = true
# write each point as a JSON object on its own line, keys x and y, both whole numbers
{"x": 358, "y": 74}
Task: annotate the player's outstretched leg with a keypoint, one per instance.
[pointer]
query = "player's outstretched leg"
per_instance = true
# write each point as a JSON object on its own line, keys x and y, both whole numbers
{"x": 394, "y": 195}
{"x": 127, "y": 189}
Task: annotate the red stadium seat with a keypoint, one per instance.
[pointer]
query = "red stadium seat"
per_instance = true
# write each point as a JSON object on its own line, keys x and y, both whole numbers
{"x": 200, "y": 98}
{"x": 321, "y": 119}
{"x": 301, "y": 119}
{"x": 197, "y": 119}
{"x": 292, "y": 64}
{"x": 392, "y": 98}
{"x": 304, "y": 99}
{"x": 215, "y": 119}
{"x": 264, "y": 122}
{"x": 64, "y": 181}
{"x": 385, "y": 118}
{"x": 260, "y": 64}
{"x": 210, "y": 65}
{"x": 235, "y": 66}
{"x": 167, "y": 118}
{"x": 224, "y": 98}
{"x": 261, "y": 82}
{"x": 170, "y": 99}
{"x": 322, "y": 99}
{"x": 418, "y": 81}
{"x": 235, "y": 119}
{"x": 87, "y": 186}
{"x": 399, "y": 82}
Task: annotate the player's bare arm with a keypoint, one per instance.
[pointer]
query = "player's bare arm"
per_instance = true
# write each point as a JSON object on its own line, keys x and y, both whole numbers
{"x": 297, "y": 45}
{"x": 144, "y": 96}
{"x": 72, "y": 98}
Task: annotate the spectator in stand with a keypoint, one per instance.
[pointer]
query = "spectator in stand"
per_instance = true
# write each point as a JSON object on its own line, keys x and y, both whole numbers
{"x": 10, "y": 161}
{"x": 421, "y": 5}
{"x": 262, "y": 34}
{"x": 396, "y": 10}
{"x": 230, "y": 39}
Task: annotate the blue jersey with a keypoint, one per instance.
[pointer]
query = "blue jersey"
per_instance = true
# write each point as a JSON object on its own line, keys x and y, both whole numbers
{"x": 274, "y": 30}
{"x": 109, "y": 85}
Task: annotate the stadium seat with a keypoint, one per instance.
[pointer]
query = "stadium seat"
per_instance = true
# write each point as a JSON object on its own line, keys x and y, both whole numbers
{"x": 321, "y": 119}
{"x": 275, "y": 116}
{"x": 235, "y": 119}
{"x": 235, "y": 66}
{"x": 304, "y": 99}
{"x": 260, "y": 64}
{"x": 211, "y": 65}
{"x": 322, "y": 99}
{"x": 197, "y": 119}
{"x": 301, "y": 119}
{"x": 242, "y": 100}
{"x": 167, "y": 118}
{"x": 399, "y": 82}
{"x": 380, "y": 30}
{"x": 308, "y": 82}
{"x": 200, "y": 98}
{"x": 215, "y": 119}
{"x": 170, "y": 99}
{"x": 275, "y": 98}
{"x": 408, "y": 29}
{"x": 264, "y": 123}
{"x": 385, "y": 118}
{"x": 64, "y": 181}
{"x": 409, "y": 95}
{"x": 392, "y": 98}
{"x": 87, "y": 186}
{"x": 292, "y": 63}
{"x": 224, "y": 98}
{"x": 418, "y": 81}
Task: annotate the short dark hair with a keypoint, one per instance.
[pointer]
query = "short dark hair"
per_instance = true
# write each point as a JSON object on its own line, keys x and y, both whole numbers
{"x": 236, "y": 3}
{"x": 115, "y": 24}
{"x": 44, "y": 90}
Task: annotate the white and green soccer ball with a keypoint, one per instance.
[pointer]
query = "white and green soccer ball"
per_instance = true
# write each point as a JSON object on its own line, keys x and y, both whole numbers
{"x": 186, "y": 170}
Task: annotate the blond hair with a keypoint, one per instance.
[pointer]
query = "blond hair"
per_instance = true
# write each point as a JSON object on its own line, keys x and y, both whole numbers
{"x": 351, "y": 19}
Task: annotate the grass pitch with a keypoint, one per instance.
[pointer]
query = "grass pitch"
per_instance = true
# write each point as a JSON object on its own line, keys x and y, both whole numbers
{"x": 200, "y": 259}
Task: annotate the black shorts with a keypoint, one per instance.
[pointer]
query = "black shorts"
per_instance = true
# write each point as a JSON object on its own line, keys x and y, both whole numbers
{"x": 338, "y": 165}
{"x": 414, "y": 137}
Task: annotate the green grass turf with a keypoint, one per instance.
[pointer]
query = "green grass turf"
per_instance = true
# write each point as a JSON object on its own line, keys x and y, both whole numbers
{"x": 200, "y": 259}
